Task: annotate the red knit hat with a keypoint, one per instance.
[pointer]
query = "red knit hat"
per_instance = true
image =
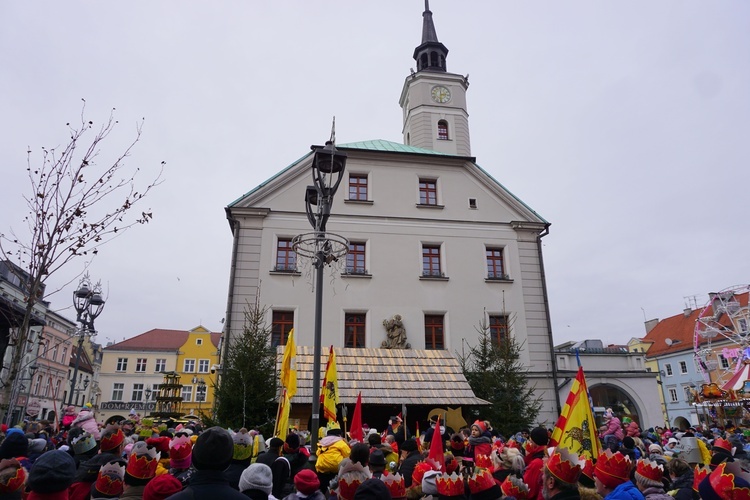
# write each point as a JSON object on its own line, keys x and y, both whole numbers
{"x": 162, "y": 487}
{"x": 306, "y": 481}
{"x": 480, "y": 424}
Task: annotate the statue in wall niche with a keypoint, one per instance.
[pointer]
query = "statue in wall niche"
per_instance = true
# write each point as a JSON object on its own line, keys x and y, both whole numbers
{"x": 395, "y": 334}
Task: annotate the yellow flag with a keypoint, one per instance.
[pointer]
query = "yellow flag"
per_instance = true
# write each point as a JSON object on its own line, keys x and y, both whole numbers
{"x": 289, "y": 366}
{"x": 282, "y": 416}
{"x": 330, "y": 395}
{"x": 576, "y": 427}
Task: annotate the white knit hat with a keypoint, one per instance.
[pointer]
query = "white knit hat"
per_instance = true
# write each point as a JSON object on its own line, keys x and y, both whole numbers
{"x": 257, "y": 477}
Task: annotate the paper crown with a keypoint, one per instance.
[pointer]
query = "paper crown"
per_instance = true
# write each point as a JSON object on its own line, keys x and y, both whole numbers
{"x": 111, "y": 440}
{"x": 514, "y": 487}
{"x": 142, "y": 461}
{"x": 484, "y": 462}
{"x": 612, "y": 469}
{"x": 727, "y": 482}
{"x": 161, "y": 444}
{"x": 109, "y": 481}
{"x": 180, "y": 448}
{"x": 722, "y": 444}
{"x": 699, "y": 474}
{"x": 649, "y": 470}
{"x": 347, "y": 487}
{"x": 15, "y": 482}
{"x": 85, "y": 442}
{"x": 587, "y": 466}
{"x": 480, "y": 481}
{"x": 450, "y": 485}
{"x": 395, "y": 484}
{"x": 421, "y": 468}
{"x": 564, "y": 466}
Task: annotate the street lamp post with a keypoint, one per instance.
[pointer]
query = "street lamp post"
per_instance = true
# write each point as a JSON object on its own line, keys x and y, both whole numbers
{"x": 32, "y": 371}
{"x": 88, "y": 302}
{"x": 327, "y": 171}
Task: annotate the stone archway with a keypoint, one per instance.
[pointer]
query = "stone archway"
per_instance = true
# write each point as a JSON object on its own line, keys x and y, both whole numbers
{"x": 681, "y": 423}
{"x": 617, "y": 398}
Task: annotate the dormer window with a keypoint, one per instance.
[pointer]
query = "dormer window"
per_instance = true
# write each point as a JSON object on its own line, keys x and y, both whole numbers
{"x": 442, "y": 128}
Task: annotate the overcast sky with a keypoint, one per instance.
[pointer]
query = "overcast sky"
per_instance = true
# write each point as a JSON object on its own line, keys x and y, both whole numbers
{"x": 624, "y": 124}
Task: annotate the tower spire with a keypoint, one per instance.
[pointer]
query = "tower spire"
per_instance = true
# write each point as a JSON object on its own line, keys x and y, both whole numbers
{"x": 431, "y": 54}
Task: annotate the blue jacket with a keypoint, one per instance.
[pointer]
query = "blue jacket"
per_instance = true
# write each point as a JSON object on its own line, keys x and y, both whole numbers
{"x": 625, "y": 491}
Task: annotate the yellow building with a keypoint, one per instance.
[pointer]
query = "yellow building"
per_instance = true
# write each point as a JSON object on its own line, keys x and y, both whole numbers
{"x": 194, "y": 361}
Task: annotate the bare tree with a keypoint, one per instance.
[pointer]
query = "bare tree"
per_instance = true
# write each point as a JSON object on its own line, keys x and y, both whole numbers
{"x": 74, "y": 206}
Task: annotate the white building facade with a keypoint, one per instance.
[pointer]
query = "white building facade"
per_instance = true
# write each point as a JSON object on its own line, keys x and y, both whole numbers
{"x": 432, "y": 238}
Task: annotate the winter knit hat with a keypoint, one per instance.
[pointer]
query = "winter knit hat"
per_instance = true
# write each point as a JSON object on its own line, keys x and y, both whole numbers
{"x": 52, "y": 472}
{"x": 291, "y": 444}
{"x": 372, "y": 489}
{"x": 37, "y": 445}
{"x": 540, "y": 436}
{"x": 213, "y": 449}
{"x": 162, "y": 487}
{"x": 306, "y": 482}
{"x": 14, "y": 445}
{"x": 257, "y": 477}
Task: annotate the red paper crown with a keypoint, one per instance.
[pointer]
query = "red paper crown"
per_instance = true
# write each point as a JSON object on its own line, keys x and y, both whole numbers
{"x": 142, "y": 461}
{"x": 395, "y": 484}
{"x": 14, "y": 482}
{"x": 109, "y": 481}
{"x": 480, "y": 481}
{"x": 722, "y": 481}
{"x": 515, "y": 487}
{"x": 484, "y": 462}
{"x": 699, "y": 474}
{"x": 649, "y": 470}
{"x": 180, "y": 448}
{"x": 613, "y": 468}
{"x": 588, "y": 466}
{"x": 450, "y": 485}
{"x": 112, "y": 440}
{"x": 161, "y": 444}
{"x": 420, "y": 469}
{"x": 347, "y": 487}
{"x": 723, "y": 444}
{"x": 564, "y": 466}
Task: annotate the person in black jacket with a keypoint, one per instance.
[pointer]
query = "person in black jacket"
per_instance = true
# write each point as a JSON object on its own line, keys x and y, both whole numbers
{"x": 410, "y": 457}
{"x": 272, "y": 453}
{"x": 212, "y": 454}
{"x": 682, "y": 480}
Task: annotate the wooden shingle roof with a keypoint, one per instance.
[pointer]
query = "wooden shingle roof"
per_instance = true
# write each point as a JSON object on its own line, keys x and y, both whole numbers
{"x": 388, "y": 376}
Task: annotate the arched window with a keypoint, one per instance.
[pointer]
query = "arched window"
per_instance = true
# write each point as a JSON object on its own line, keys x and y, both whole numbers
{"x": 442, "y": 130}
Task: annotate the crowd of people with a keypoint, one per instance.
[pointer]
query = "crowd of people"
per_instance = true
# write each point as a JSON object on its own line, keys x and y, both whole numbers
{"x": 133, "y": 460}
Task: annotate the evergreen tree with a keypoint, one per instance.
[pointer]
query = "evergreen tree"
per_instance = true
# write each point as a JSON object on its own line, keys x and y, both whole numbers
{"x": 247, "y": 388}
{"x": 495, "y": 374}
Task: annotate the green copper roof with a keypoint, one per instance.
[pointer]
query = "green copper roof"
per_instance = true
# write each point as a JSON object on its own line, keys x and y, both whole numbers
{"x": 381, "y": 145}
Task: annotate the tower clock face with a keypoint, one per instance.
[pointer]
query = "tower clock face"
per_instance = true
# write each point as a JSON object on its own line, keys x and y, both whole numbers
{"x": 441, "y": 94}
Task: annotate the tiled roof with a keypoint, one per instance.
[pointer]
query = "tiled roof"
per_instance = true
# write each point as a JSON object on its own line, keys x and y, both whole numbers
{"x": 388, "y": 376}
{"x": 680, "y": 330}
{"x": 154, "y": 340}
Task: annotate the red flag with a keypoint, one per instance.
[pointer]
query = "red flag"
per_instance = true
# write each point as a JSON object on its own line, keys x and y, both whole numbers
{"x": 356, "y": 431}
{"x": 436, "y": 447}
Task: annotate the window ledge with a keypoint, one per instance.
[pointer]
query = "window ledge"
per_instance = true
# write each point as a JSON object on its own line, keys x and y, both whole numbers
{"x": 498, "y": 280}
{"x": 425, "y": 205}
{"x": 359, "y": 202}
{"x": 274, "y": 272}
{"x": 356, "y": 275}
{"x": 433, "y": 278}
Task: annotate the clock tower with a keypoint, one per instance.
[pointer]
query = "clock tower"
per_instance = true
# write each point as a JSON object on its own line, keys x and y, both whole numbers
{"x": 434, "y": 101}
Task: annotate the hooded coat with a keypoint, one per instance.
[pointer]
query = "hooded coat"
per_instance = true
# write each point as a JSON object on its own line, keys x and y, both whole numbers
{"x": 87, "y": 422}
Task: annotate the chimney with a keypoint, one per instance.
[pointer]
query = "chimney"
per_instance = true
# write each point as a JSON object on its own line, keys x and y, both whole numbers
{"x": 650, "y": 324}
{"x": 687, "y": 312}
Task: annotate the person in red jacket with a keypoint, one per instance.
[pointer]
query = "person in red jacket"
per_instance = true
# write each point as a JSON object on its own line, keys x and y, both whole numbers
{"x": 535, "y": 449}
{"x": 480, "y": 441}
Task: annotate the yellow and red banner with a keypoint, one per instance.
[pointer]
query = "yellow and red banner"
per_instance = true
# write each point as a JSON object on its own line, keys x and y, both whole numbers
{"x": 576, "y": 428}
{"x": 329, "y": 398}
{"x": 282, "y": 416}
{"x": 289, "y": 366}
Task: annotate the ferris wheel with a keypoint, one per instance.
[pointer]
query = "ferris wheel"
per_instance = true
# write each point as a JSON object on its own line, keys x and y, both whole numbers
{"x": 721, "y": 341}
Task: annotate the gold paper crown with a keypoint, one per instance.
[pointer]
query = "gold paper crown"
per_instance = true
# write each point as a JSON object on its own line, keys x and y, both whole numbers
{"x": 649, "y": 470}
{"x": 395, "y": 484}
{"x": 699, "y": 474}
{"x": 14, "y": 482}
{"x": 515, "y": 487}
{"x": 484, "y": 462}
{"x": 450, "y": 485}
{"x": 481, "y": 480}
{"x": 142, "y": 461}
{"x": 723, "y": 481}
{"x": 109, "y": 481}
{"x": 564, "y": 466}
